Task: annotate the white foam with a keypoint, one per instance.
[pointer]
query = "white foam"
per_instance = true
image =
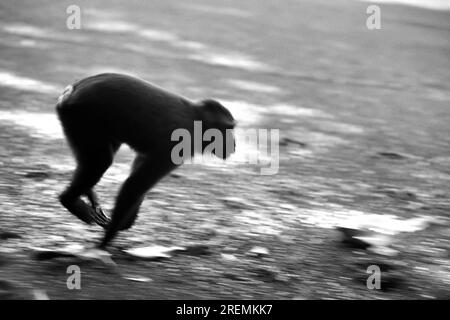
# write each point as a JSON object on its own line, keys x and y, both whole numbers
{"x": 111, "y": 26}
{"x": 220, "y": 10}
{"x": 254, "y": 86}
{"x": 8, "y": 79}
{"x": 41, "y": 124}
{"x": 25, "y": 30}
{"x": 427, "y": 4}
{"x": 333, "y": 215}
{"x": 117, "y": 26}
{"x": 296, "y": 111}
{"x": 231, "y": 60}
{"x": 190, "y": 45}
{"x": 24, "y": 43}
{"x": 28, "y": 43}
{"x": 158, "y": 35}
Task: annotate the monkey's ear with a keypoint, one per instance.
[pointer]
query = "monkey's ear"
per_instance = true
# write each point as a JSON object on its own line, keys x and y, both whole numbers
{"x": 216, "y": 114}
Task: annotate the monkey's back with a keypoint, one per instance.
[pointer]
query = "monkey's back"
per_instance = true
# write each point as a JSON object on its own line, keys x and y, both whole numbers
{"x": 127, "y": 110}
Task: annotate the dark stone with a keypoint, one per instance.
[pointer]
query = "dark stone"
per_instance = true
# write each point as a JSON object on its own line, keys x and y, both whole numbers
{"x": 197, "y": 250}
{"x": 391, "y": 155}
{"x": 37, "y": 175}
{"x": 5, "y": 235}
{"x": 287, "y": 141}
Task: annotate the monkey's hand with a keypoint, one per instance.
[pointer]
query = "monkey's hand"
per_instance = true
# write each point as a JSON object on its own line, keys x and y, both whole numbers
{"x": 99, "y": 217}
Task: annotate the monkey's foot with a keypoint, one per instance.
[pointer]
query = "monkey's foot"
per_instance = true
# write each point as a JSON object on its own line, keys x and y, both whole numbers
{"x": 99, "y": 217}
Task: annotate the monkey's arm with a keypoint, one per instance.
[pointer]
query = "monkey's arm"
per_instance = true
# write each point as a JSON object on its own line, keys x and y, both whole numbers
{"x": 146, "y": 173}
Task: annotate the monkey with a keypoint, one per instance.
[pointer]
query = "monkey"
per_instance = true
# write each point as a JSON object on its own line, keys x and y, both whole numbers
{"x": 100, "y": 113}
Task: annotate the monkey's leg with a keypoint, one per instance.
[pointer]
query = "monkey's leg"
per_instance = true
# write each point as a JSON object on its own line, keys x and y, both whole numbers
{"x": 98, "y": 214}
{"x": 128, "y": 223}
{"x": 92, "y": 164}
{"x": 138, "y": 161}
{"x": 144, "y": 176}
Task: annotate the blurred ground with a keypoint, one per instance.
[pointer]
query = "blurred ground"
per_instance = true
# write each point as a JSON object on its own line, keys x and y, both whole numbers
{"x": 369, "y": 110}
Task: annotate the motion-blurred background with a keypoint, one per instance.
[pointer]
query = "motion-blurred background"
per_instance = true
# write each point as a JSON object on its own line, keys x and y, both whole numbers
{"x": 364, "y": 148}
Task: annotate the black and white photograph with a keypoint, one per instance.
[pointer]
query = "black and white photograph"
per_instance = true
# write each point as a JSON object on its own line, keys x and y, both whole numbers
{"x": 224, "y": 150}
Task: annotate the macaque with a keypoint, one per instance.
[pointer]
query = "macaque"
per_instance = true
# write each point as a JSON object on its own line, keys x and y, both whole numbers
{"x": 101, "y": 112}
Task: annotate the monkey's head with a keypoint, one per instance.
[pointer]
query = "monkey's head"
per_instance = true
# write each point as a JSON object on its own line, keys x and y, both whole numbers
{"x": 215, "y": 116}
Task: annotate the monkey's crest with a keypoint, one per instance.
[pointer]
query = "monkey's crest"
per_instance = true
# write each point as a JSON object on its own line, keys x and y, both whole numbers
{"x": 66, "y": 93}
